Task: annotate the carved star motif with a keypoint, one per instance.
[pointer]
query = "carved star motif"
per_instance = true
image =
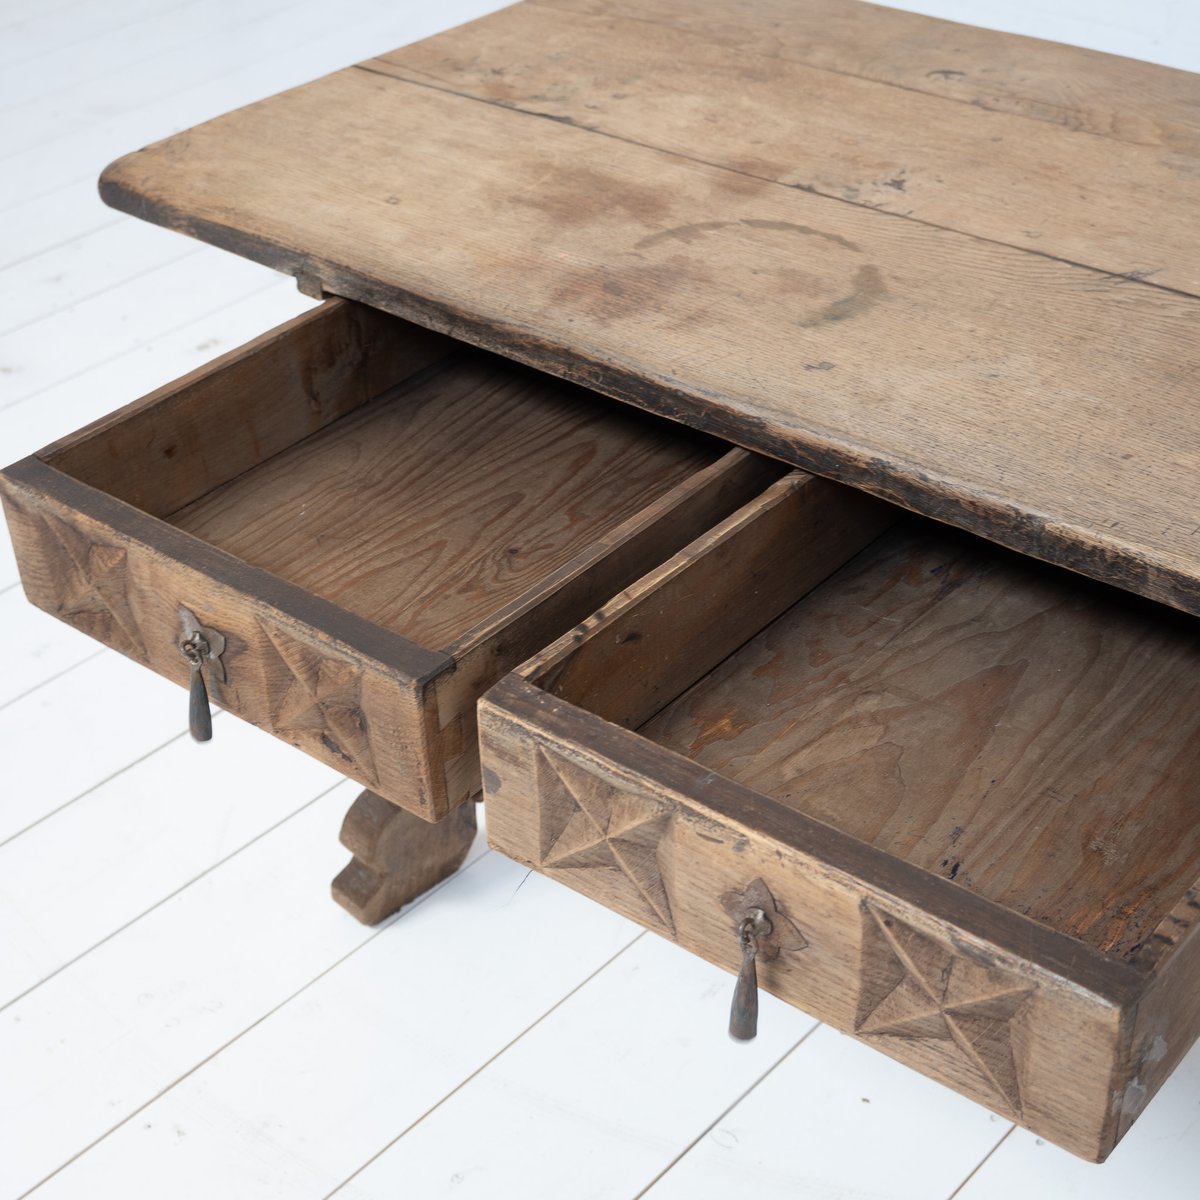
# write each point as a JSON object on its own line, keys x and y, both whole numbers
{"x": 914, "y": 986}
{"x": 93, "y": 593}
{"x": 587, "y": 824}
{"x": 319, "y": 697}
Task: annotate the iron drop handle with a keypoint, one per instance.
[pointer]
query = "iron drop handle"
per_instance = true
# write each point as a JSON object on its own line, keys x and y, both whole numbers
{"x": 743, "y": 1013}
{"x": 196, "y": 650}
{"x": 202, "y": 647}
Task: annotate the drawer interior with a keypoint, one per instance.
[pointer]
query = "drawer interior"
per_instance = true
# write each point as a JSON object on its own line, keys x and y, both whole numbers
{"x": 434, "y": 505}
{"x": 437, "y": 484}
{"x": 1028, "y": 734}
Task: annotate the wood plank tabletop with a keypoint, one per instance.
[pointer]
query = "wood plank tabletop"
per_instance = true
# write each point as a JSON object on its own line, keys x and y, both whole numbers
{"x": 952, "y": 267}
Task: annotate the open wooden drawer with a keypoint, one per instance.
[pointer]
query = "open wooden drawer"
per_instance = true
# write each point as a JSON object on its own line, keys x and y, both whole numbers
{"x": 372, "y": 522}
{"x": 961, "y": 787}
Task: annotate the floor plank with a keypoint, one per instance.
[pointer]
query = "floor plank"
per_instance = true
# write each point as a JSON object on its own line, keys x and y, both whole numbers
{"x": 221, "y": 43}
{"x": 133, "y": 313}
{"x": 126, "y": 50}
{"x": 139, "y": 838}
{"x": 578, "y": 1107}
{"x": 309, "y": 1094}
{"x": 33, "y": 30}
{"x": 8, "y": 562}
{"x": 76, "y": 731}
{"x": 52, "y": 219}
{"x": 44, "y": 284}
{"x": 48, "y": 647}
{"x": 837, "y": 1119}
{"x": 82, "y": 153}
{"x": 101, "y": 1039}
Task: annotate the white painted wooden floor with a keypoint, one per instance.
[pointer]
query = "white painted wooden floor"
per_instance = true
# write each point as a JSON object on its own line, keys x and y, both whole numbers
{"x": 183, "y": 1011}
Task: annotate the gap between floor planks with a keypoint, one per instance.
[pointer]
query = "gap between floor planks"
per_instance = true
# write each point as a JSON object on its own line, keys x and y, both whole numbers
{"x": 169, "y": 71}
{"x": 122, "y": 318}
{"x": 187, "y": 821}
{"x": 205, "y": 944}
{"x": 155, "y": 40}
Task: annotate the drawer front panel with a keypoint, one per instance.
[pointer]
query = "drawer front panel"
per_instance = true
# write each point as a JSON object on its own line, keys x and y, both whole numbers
{"x": 335, "y": 700}
{"x": 857, "y": 952}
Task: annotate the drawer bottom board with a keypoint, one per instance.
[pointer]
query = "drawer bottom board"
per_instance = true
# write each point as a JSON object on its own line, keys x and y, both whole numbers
{"x": 434, "y": 506}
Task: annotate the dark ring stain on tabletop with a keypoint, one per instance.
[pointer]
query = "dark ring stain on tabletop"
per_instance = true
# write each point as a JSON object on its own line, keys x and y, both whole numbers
{"x": 866, "y": 287}
{"x": 687, "y": 233}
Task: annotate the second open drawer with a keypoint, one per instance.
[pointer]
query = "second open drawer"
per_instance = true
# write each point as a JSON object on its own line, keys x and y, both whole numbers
{"x": 960, "y": 785}
{"x": 371, "y": 522}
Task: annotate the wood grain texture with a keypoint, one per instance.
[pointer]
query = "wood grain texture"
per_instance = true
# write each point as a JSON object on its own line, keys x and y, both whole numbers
{"x": 1043, "y": 187}
{"x": 995, "y": 761}
{"x": 351, "y": 527}
{"x": 1043, "y": 404}
{"x": 566, "y": 596}
{"x": 954, "y": 986}
{"x": 431, "y": 509}
{"x": 181, "y": 441}
{"x": 1167, "y": 1020}
{"x": 397, "y": 856}
{"x": 690, "y": 612}
{"x": 1035, "y": 741}
{"x": 1121, "y": 99}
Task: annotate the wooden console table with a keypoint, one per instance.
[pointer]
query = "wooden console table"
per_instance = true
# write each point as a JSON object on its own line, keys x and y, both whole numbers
{"x": 843, "y": 265}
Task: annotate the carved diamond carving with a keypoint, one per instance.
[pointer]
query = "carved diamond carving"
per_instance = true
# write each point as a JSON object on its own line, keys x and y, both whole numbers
{"x": 91, "y": 586}
{"x": 315, "y": 698}
{"x": 916, "y": 987}
{"x": 586, "y": 824}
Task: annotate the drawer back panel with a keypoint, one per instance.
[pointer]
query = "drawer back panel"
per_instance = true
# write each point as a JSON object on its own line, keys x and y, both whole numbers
{"x": 179, "y": 443}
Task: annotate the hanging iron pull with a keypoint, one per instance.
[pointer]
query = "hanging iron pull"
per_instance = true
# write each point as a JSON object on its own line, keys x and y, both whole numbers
{"x": 743, "y": 1013}
{"x": 202, "y": 647}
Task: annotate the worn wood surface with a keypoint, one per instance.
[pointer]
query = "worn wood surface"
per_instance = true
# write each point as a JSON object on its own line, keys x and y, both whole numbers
{"x": 764, "y": 112}
{"x": 1021, "y": 1018}
{"x": 1008, "y": 752}
{"x": 1167, "y": 1020}
{"x": 1033, "y": 389}
{"x": 397, "y": 856}
{"x": 346, "y": 690}
{"x": 565, "y": 597}
{"x": 183, "y": 1011}
{"x": 1082, "y": 90}
{"x": 994, "y": 722}
{"x": 174, "y": 446}
{"x": 693, "y": 610}
{"x": 433, "y": 508}
{"x": 342, "y": 531}
{"x": 343, "y": 690}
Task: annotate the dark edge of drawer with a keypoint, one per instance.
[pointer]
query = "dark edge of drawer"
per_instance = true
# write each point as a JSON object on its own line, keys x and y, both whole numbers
{"x": 356, "y": 634}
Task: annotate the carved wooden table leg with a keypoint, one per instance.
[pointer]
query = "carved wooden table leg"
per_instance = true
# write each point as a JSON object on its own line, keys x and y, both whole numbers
{"x": 397, "y": 856}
